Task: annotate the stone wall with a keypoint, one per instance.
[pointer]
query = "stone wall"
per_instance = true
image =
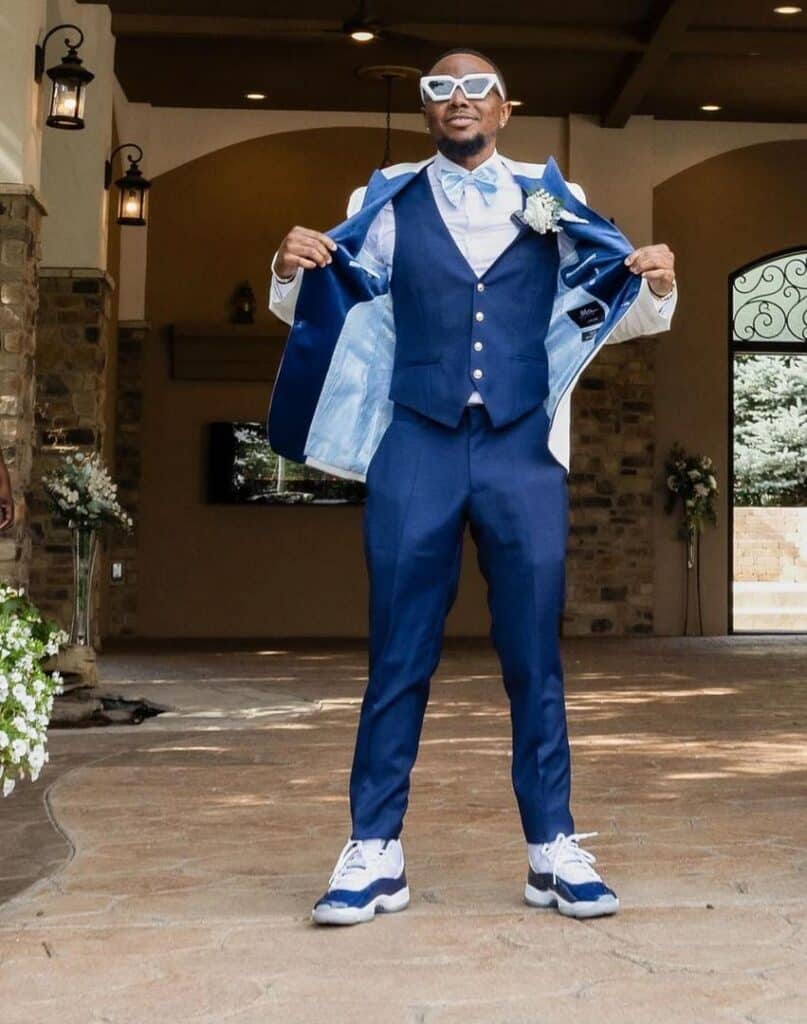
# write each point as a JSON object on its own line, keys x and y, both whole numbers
{"x": 611, "y": 493}
{"x": 770, "y": 545}
{"x": 20, "y": 220}
{"x": 122, "y": 594}
{"x": 72, "y": 336}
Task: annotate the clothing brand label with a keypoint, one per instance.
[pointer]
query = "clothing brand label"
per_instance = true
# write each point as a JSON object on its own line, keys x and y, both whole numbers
{"x": 588, "y": 315}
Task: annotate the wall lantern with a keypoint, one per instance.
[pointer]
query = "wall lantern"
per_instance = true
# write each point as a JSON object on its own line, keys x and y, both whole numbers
{"x": 244, "y": 304}
{"x": 70, "y": 82}
{"x": 133, "y": 188}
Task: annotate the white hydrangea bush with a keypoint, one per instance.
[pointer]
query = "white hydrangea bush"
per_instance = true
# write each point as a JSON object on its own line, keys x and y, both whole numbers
{"x": 26, "y": 689}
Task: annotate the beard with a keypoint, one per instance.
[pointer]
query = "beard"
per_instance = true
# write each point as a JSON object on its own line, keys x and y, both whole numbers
{"x": 460, "y": 149}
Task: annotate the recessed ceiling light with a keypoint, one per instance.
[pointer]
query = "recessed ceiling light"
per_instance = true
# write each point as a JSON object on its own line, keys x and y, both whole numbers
{"x": 255, "y": 96}
{"x": 787, "y": 9}
{"x": 362, "y": 35}
{"x": 710, "y": 106}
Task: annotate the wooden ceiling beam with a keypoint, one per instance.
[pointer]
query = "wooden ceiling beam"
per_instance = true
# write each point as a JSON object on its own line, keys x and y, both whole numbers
{"x": 767, "y": 42}
{"x": 527, "y": 37}
{"x": 643, "y": 71}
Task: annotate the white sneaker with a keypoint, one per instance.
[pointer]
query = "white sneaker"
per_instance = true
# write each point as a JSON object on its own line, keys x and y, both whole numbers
{"x": 369, "y": 877}
{"x": 563, "y": 877}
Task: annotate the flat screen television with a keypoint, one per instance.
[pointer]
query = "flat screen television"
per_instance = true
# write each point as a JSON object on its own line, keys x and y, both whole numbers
{"x": 242, "y": 469}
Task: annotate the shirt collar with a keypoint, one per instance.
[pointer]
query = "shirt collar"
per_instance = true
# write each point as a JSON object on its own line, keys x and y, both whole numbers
{"x": 441, "y": 163}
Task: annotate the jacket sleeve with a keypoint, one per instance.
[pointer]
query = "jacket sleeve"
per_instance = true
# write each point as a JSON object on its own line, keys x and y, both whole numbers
{"x": 283, "y": 293}
{"x": 649, "y": 314}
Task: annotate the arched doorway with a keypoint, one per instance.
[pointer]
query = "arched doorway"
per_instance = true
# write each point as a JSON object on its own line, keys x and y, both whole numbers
{"x": 768, "y": 444}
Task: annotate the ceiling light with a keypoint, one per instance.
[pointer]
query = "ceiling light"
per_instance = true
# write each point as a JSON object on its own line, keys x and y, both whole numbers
{"x": 787, "y": 10}
{"x": 710, "y": 106}
{"x": 362, "y": 35}
{"x": 255, "y": 96}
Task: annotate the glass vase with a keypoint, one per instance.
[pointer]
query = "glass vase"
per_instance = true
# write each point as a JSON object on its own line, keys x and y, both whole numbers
{"x": 85, "y": 545}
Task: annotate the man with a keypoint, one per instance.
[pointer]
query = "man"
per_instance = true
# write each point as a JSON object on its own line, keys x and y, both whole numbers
{"x": 435, "y": 343}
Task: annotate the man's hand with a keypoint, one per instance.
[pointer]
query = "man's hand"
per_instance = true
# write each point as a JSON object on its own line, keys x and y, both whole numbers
{"x": 654, "y": 262}
{"x": 303, "y": 247}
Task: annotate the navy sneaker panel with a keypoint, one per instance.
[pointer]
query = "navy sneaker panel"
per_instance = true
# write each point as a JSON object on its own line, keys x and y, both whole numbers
{"x": 361, "y": 897}
{"x": 582, "y": 892}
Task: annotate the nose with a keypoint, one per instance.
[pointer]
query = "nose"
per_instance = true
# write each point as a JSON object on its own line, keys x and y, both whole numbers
{"x": 458, "y": 98}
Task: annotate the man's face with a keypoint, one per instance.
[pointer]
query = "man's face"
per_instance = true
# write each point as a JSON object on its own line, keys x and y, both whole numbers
{"x": 459, "y": 124}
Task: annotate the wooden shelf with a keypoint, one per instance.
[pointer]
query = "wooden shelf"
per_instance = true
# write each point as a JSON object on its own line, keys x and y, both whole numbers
{"x": 246, "y": 352}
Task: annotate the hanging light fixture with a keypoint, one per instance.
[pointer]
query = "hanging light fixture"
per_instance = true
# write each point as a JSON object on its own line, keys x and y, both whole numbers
{"x": 388, "y": 73}
{"x": 70, "y": 81}
{"x": 133, "y": 200}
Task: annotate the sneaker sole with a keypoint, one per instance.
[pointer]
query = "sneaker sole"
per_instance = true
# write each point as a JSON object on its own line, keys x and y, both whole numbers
{"x": 356, "y": 915}
{"x": 547, "y": 898}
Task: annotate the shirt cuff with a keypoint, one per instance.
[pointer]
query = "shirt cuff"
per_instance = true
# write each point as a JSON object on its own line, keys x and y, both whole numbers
{"x": 283, "y": 280}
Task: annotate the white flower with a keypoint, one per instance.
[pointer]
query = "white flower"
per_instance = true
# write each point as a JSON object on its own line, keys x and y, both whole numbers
{"x": 701, "y": 490}
{"x": 542, "y": 211}
{"x": 672, "y": 483}
{"x": 710, "y": 480}
{"x": 3, "y": 739}
{"x": 19, "y": 748}
{"x": 694, "y": 474}
{"x": 8, "y": 786}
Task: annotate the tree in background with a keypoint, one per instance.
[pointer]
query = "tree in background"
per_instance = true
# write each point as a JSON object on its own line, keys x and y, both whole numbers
{"x": 770, "y": 430}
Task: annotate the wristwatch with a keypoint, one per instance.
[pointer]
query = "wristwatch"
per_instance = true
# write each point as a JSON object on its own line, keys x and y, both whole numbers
{"x": 278, "y": 278}
{"x": 666, "y": 296}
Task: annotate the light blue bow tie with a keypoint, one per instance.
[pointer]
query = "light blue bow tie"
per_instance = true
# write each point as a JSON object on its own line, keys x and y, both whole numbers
{"x": 454, "y": 182}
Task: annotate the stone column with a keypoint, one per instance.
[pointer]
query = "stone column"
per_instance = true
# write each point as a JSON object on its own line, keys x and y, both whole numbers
{"x": 74, "y": 323}
{"x": 611, "y": 494}
{"x": 122, "y": 594}
{"x": 21, "y": 212}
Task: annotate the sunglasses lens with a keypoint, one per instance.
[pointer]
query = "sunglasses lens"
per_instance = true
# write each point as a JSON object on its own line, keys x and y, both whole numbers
{"x": 439, "y": 88}
{"x": 475, "y": 86}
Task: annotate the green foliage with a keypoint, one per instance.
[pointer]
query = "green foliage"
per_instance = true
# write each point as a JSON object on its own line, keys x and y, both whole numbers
{"x": 770, "y": 429}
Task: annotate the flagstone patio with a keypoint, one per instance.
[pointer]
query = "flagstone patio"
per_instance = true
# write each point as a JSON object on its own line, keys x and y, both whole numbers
{"x": 164, "y": 872}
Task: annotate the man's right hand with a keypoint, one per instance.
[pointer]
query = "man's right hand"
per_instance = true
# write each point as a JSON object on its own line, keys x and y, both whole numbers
{"x": 303, "y": 247}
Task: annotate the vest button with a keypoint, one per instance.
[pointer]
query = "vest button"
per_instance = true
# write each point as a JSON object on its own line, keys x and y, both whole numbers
{"x": 477, "y": 346}
{"x": 480, "y": 287}
{"x": 480, "y": 315}
{"x": 477, "y": 374}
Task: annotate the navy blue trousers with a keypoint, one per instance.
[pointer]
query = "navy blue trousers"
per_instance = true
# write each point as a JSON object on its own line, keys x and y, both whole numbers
{"x": 424, "y": 483}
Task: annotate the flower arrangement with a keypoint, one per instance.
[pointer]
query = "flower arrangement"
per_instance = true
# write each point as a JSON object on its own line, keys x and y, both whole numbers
{"x": 83, "y": 493}
{"x": 26, "y": 690}
{"x": 691, "y": 480}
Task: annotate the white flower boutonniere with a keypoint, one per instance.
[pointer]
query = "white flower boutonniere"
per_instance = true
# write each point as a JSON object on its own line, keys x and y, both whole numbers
{"x": 542, "y": 211}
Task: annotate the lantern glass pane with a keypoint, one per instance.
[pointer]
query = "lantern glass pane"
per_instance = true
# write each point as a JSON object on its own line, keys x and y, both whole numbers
{"x": 64, "y": 102}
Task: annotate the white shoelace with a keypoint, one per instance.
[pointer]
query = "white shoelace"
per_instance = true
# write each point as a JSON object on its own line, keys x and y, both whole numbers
{"x": 351, "y": 857}
{"x": 565, "y": 850}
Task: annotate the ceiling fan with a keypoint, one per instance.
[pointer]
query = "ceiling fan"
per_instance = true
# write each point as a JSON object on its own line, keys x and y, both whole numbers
{"x": 363, "y": 26}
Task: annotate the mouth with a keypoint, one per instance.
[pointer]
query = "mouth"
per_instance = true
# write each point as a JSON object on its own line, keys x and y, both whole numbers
{"x": 461, "y": 120}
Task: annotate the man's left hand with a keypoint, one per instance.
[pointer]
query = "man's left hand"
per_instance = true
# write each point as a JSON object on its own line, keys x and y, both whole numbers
{"x": 654, "y": 262}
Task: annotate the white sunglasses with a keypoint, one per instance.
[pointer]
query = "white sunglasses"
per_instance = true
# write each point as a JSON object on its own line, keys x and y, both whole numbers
{"x": 476, "y": 86}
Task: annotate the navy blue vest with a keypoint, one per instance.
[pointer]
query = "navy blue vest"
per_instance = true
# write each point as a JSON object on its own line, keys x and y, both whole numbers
{"x": 456, "y": 331}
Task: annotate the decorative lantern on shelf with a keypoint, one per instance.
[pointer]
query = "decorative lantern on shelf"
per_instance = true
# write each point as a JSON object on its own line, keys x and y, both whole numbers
{"x": 133, "y": 188}
{"x": 70, "y": 80}
{"x": 244, "y": 304}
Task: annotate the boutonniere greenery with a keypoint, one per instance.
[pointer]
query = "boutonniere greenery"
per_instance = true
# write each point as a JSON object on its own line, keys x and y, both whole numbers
{"x": 542, "y": 211}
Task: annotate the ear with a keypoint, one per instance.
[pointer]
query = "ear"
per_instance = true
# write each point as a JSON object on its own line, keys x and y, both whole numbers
{"x": 505, "y": 111}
